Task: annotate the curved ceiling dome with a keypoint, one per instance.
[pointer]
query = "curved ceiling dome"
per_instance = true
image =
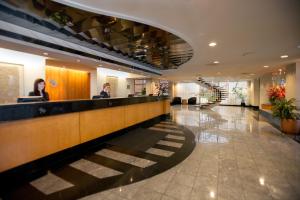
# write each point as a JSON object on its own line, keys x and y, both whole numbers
{"x": 144, "y": 43}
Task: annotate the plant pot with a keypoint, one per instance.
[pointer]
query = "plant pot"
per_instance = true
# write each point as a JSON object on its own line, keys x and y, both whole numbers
{"x": 290, "y": 126}
{"x": 266, "y": 106}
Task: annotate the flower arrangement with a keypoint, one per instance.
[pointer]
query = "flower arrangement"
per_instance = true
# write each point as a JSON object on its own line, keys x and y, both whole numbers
{"x": 276, "y": 93}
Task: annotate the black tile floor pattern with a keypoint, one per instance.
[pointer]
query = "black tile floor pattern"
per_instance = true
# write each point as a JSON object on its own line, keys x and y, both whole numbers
{"x": 134, "y": 156}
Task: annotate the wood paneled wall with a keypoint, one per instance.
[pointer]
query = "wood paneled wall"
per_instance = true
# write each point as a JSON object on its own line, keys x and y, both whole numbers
{"x": 26, "y": 140}
{"x": 63, "y": 83}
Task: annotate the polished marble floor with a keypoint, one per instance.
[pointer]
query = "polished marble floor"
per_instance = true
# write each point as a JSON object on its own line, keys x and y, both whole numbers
{"x": 237, "y": 157}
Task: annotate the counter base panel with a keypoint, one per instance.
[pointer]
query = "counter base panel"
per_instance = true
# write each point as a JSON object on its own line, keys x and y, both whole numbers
{"x": 23, "y": 141}
{"x": 37, "y": 168}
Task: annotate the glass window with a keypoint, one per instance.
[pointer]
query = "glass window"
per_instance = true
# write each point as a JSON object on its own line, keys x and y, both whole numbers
{"x": 139, "y": 86}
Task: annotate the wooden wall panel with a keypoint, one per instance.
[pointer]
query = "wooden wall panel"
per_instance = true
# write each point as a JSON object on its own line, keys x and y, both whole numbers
{"x": 56, "y": 83}
{"x": 167, "y": 106}
{"x": 26, "y": 140}
{"x": 155, "y": 109}
{"x": 96, "y": 123}
{"x": 63, "y": 84}
{"x": 136, "y": 113}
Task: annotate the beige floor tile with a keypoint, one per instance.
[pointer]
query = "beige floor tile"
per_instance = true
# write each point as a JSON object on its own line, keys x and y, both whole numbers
{"x": 160, "y": 152}
{"x": 178, "y": 191}
{"x": 171, "y": 144}
{"x": 50, "y": 183}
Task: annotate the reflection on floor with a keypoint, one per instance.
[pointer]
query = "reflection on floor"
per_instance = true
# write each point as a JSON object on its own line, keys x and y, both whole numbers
{"x": 134, "y": 156}
{"x": 236, "y": 157}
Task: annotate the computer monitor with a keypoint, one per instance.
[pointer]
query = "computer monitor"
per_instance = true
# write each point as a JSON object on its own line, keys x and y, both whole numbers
{"x": 96, "y": 97}
{"x": 30, "y": 99}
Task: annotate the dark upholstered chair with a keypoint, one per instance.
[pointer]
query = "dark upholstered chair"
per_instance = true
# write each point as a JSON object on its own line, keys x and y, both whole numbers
{"x": 176, "y": 100}
{"x": 192, "y": 100}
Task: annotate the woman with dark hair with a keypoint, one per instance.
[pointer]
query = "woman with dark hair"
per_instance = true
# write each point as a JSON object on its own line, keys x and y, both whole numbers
{"x": 39, "y": 89}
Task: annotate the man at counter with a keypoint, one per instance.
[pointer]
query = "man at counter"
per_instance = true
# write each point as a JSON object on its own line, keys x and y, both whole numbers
{"x": 105, "y": 93}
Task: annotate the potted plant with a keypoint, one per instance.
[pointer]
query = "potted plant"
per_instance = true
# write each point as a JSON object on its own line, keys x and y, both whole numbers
{"x": 238, "y": 91}
{"x": 61, "y": 18}
{"x": 276, "y": 93}
{"x": 144, "y": 91}
{"x": 285, "y": 110}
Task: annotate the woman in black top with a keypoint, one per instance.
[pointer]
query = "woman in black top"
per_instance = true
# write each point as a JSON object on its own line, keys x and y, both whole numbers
{"x": 105, "y": 93}
{"x": 39, "y": 89}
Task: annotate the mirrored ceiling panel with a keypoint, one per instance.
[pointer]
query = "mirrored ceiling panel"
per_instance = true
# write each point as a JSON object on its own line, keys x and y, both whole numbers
{"x": 141, "y": 42}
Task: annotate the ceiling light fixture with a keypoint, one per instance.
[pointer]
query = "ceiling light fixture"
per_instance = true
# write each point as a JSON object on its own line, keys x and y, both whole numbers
{"x": 284, "y": 56}
{"x": 45, "y": 54}
{"x": 216, "y": 62}
{"x": 212, "y": 44}
{"x": 266, "y": 66}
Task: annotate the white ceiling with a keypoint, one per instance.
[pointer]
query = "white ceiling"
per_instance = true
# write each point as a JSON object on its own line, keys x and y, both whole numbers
{"x": 263, "y": 29}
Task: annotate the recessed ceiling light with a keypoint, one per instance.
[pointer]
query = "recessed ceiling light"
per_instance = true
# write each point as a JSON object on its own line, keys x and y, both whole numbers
{"x": 284, "y": 56}
{"x": 266, "y": 66}
{"x": 216, "y": 62}
{"x": 45, "y": 53}
{"x": 212, "y": 44}
{"x": 251, "y": 74}
{"x": 77, "y": 60}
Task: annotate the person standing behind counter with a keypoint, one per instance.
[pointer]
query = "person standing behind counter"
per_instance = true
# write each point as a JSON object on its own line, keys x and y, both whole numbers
{"x": 105, "y": 93}
{"x": 39, "y": 89}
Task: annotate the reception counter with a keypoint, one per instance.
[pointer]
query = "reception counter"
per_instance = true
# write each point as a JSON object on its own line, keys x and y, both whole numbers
{"x": 30, "y": 131}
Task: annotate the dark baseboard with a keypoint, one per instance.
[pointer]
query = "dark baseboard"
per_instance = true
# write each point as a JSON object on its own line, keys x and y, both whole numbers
{"x": 247, "y": 106}
{"x": 37, "y": 168}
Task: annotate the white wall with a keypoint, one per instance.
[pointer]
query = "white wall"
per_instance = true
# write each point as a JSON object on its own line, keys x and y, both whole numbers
{"x": 254, "y": 92}
{"x": 290, "y": 78}
{"x": 265, "y": 84}
{"x": 292, "y": 84}
{"x": 93, "y": 83}
{"x": 121, "y": 83}
{"x": 33, "y": 66}
{"x": 186, "y": 90}
{"x": 297, "y": 85}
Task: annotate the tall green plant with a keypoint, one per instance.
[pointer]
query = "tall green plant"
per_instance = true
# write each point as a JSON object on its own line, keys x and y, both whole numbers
{"x": 238, "y": 91}
{"x": 284, "y": 109}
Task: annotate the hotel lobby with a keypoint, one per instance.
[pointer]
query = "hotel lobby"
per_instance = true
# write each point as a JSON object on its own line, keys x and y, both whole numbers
{"x": 150, "y": 100}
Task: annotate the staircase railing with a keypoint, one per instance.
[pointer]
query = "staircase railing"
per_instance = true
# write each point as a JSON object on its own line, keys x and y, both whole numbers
{"x": 217, "y": 95}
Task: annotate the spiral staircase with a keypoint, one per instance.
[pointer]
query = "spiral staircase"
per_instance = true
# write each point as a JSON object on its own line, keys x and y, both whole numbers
{"x": 217, "y": 93}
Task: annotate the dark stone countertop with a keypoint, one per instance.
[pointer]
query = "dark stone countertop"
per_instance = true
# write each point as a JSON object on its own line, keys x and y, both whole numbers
{"x": 10, "y": 112}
